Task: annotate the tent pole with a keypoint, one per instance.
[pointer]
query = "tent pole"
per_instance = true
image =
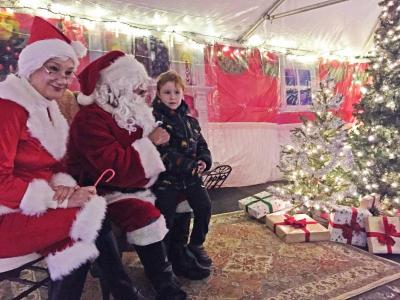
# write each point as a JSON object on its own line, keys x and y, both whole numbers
{"x": 265, "y": 16}
{"x": 306, "y": 8}
{"x": 371, "y": 35}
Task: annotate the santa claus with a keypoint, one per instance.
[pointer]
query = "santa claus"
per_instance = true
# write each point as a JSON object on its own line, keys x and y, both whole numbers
{"x": 116, "y": 129}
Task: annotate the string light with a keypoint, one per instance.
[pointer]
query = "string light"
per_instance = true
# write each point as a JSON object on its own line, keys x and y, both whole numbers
{"x": 100, "y": 14}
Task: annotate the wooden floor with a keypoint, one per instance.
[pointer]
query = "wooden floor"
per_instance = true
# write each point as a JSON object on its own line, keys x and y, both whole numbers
{"x": 226, "y": 200}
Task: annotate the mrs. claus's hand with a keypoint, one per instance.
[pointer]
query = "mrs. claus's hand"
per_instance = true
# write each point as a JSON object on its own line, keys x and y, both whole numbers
{"x": 81, "y": 196}
{"x": 62, "y": 192}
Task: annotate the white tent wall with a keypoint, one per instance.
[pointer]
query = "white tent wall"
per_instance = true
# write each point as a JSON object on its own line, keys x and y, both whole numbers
{"x": 252, "y": 149}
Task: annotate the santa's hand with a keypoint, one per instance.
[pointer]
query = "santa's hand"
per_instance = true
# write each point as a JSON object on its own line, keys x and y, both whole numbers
{"x": 201, "y": 166}
{"x": 159, "y": 136}
{"x": 62, "y": 192}
{"x": 81, "y": 196}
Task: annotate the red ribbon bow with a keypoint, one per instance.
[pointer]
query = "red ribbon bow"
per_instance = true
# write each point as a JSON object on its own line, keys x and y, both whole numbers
{"x": 348, "y": 229}
{"x": 290, "y": 220}
{"x": 386, "y": 237}
{"x": 300, "y": 224}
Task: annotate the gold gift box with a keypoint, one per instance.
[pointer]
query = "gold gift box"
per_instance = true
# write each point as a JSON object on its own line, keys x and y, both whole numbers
{"x": 376, "y": 224}
{"x": 291, "y": 234}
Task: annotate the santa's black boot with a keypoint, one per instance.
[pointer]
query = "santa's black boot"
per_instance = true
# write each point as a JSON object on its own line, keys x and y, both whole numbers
{"x": 70, "y": 287}
{"x": 184, "y": 263}
{"x": 159, "y": 271}
{"x": 112, "y": 270}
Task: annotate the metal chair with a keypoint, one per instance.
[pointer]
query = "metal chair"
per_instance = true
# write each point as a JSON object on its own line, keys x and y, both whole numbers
{"x": 214, "y": 178}
{"x": 11, "y": 269}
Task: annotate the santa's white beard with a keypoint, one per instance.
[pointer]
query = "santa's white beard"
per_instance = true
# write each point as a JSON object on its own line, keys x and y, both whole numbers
{"x": 131, "y": 110}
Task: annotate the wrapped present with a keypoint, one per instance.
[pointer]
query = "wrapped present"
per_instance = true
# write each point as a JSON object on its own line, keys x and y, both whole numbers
{"x": 370, "y": 201}
{"x": 347, "y": 225}
{"x": 246, "y": 202}
{"x": 321, "y": 217}
{"x": 383, "y": 234}
{"x": 297, "y": 228}
{"x": 263, "y": 203}
{"x": 395, "y": 212}
{"x": 260, "y": 209}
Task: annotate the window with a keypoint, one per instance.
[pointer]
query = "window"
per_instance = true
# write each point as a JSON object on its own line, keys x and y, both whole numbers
{"x": 298, "y": 82}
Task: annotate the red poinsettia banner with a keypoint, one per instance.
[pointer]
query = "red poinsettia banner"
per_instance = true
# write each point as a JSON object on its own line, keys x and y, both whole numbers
{"x": 245, "y": 84}
{"x": 348, "y": 79}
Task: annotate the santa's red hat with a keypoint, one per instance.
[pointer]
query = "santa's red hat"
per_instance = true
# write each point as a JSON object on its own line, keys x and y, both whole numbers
{"x": 45, "y": 42}
{"x": 110, "y": 69}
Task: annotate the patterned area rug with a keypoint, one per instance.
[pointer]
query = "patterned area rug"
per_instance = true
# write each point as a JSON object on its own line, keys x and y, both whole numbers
{"x": 250, "y": 262}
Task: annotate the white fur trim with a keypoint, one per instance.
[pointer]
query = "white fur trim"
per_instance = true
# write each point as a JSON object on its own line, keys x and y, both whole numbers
{"x": 125, "y": 67}
{"x": 63, "y": 179}
{"x": 6, "y": 210}
{"x": 89, "y": 219}
{"x": 149, "y": 157}
{"x": 52, "y": 134}
{"x": 85, "y": 100}
{"x": 149, "y": 234}
{"x": 64, "y": 262}
{"x": 34, "y": 55}
{"x": 152, "y": 180}
{"x": 183, "y": 207}
{"x": 79, "y": 48}
{"x": 146, "y": 196}
{"x": 38, "y": 198}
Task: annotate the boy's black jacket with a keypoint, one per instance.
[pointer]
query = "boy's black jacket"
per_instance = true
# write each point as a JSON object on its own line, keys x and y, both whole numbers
{"x": 185, "y": 147}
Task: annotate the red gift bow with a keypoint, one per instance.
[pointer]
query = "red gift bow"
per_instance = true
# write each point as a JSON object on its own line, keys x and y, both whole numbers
{"x": 349, "y": 228}
{"x": 290, "y": 220}
{"x": 385, "y": 238}
{"x": 300, "y": 224}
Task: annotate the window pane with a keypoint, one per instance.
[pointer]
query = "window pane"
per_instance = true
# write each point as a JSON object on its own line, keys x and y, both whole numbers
{"x": 305, "y": 77}
{"x": 305, "y": 97}
{"x": 290, "y": 77}
{"x": 291, "y": 96}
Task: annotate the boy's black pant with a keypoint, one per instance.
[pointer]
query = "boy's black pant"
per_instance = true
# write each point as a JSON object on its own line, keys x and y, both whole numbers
{"x": 199, "y": 201}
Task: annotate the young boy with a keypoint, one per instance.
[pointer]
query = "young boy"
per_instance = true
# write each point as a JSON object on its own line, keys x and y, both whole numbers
{"x": 186, "y": 156}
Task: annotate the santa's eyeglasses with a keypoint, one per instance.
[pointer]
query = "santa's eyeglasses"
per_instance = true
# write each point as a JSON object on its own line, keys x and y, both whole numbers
{"x": 56, "y": 72}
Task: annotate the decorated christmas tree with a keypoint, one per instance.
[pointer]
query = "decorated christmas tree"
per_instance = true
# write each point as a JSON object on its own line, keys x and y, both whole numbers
{"x": 376, "y": 138}
{"x": 318, "y": 163}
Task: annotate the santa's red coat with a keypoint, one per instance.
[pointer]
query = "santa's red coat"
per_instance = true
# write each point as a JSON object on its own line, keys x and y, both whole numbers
{"x": 97, "y": 143}
{"x": 32, "y": 144}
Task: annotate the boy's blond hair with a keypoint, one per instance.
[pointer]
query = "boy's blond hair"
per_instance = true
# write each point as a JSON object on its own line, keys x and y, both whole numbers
{"x": 170, "y": 76}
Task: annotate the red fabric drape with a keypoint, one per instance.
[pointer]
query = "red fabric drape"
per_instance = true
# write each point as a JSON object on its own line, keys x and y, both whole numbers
{"x": 243, "y": 93}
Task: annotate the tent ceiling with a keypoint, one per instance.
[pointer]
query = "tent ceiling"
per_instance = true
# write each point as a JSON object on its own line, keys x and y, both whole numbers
{"x": 339, "y": 26}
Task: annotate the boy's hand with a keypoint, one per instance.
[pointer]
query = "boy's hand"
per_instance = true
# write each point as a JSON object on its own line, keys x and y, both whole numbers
{"x": 201, "y": 166}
